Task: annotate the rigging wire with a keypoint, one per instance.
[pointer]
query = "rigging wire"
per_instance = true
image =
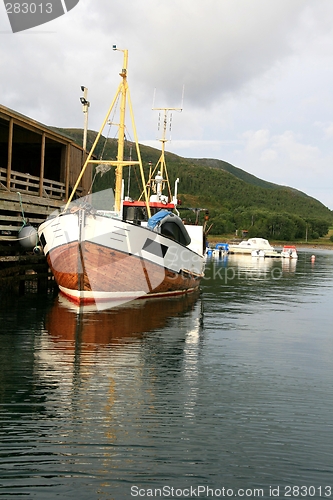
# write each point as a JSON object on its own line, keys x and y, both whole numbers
{"x": 110, "y": 123}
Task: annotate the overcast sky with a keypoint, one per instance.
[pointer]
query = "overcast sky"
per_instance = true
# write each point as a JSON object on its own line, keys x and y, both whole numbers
{"x": 258, "y": 78}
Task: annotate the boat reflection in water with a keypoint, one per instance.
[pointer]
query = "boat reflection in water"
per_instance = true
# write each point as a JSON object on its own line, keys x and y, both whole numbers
{"x": 252, "y": 267}
{"x": 289, "y": 265}
{"x": 261, "y": 268}
{"x": 114, "y": 379}
{"x": 68, "y": 323}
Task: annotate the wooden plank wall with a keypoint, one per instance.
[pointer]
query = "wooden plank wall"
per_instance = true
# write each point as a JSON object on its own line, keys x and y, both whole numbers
{"x": 15, "y": 209}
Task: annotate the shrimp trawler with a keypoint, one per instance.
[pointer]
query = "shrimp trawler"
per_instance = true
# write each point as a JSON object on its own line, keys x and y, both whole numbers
{"x": 106, "y": 246}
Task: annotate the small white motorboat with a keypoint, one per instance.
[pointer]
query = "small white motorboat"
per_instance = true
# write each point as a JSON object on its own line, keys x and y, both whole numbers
{"x": 289, "y": 252}
{"x": 256, "y": 247}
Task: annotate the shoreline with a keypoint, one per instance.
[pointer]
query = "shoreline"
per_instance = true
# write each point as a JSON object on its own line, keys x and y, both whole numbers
{"x": 312, "y": 246}
{"x": 301, "y": 245}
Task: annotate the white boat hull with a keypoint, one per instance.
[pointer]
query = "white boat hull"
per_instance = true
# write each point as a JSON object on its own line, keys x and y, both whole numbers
{"x": 256, "y": 247}
{"x": 288, "y": 255}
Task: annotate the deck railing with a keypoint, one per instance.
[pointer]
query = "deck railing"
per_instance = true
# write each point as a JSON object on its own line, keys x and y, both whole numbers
{"x": 30, "y": 184}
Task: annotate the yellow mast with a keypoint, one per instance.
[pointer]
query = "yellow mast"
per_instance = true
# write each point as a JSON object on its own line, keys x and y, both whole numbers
{"x": 123, "y": 91}
{"x": 121, "y": 137}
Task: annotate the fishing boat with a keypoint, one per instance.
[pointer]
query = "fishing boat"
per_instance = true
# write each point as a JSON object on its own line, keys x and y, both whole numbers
{"x": 256, "y": 247}
{"x": 106, "y": 246}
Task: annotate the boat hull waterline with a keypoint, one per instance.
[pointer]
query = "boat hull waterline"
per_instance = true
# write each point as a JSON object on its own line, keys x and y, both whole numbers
{"x": 96, "y": 258}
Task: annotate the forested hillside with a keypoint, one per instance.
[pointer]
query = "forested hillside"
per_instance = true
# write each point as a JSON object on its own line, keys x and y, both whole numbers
{"x": 234, "y": 198}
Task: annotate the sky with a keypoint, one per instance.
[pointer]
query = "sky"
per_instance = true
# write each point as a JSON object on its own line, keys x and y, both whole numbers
{"x": 257, "y": 78}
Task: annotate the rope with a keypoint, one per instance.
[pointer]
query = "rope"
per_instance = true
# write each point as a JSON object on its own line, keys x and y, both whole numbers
{"x": 110, "y": 123}
{"x": 14, "y": 239}
{"x": 22, "y": 238}
{"x": 21, "y": 205}
{"x": 25, "y": 223}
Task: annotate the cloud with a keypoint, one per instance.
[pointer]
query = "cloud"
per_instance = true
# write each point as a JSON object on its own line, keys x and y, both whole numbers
{"x": 256, "y": 139}
{"x": 285, "y": 159}
{"x": 257, "y": 76}
{"x": 326, "y": 128}
{"x": 213, "y": 47}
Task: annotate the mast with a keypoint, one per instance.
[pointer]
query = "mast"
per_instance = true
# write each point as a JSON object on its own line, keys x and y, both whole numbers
{"x": 164, "y": 140}
{"x": 121, "y": 137}
{"x": 124, "y": 93}
{"x": 161, "y": 164}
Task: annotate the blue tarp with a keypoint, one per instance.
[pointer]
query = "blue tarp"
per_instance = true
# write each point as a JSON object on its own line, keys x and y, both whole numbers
{"x": 222, "y": 246}
{"x": 155, "y": 219}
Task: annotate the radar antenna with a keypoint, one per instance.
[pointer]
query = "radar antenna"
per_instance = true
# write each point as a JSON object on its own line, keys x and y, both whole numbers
{"x": 167, "y": 120}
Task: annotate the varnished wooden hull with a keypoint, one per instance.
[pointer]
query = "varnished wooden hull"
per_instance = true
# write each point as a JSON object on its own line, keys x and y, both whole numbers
{"x": 99, "y": 272}
{"x": 110, "y": 259}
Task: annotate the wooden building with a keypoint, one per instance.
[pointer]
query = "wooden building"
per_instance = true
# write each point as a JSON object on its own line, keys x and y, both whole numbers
{"x": 38, "y": 168}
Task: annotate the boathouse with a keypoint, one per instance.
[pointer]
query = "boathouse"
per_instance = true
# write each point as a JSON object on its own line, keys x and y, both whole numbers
{"x": 38, "y": 168}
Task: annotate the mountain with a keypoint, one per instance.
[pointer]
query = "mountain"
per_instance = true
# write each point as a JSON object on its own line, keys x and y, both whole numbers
{"x": 237, "y": 172}
{"x": 235, "y": 198}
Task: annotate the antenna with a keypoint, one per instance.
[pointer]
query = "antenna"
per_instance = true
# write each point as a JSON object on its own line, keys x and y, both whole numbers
{"x": 169, "y": 109}
{"x": 182, "y": 104}
{"x": 167, "y": 118}
{"x": 166, "y": 110}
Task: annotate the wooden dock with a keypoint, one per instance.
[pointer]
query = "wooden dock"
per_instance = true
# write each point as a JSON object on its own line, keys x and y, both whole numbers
{"x": 20, "y": 269}
{"x": 16, "y": 209}
{"x": 25, "y": 273}
{"x": 38, "y": 168}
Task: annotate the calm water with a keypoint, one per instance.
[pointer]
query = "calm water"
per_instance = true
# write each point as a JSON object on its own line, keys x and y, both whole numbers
{"x": 229, "y": 393}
